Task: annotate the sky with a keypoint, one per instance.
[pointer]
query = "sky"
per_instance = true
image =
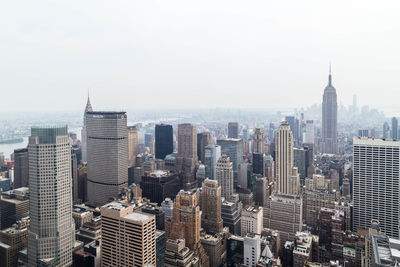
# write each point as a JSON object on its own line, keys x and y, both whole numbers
{"x": 197, "y": 54}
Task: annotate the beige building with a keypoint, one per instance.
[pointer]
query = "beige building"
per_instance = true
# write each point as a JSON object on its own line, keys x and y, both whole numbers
{"x": 287, "y": 175}
{"x": 211, "y": 219}
{"x": 258, "y": 141}
{"x": 128, "y": 237}
{"x": 177, "y": 254}
{"x": 252, "y": 220}
{"x": 187, "y": 147}
{"x": 313, "y": 201}
{"x": 12, "y": 240}
{"x": 132, "y": 145}
{"x": 215, "y": 247}
{"x": 284, "y": 213}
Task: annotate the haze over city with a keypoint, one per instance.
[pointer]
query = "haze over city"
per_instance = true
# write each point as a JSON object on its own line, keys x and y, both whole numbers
{"x": 166, "y": 54}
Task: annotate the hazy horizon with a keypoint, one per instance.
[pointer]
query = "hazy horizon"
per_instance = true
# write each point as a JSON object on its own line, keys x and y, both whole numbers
{"x": 201, "y": 55}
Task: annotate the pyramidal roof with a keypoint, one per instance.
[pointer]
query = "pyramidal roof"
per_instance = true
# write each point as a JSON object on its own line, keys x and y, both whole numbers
{"x": 88, "y": 106}
{"x": 330, "y": 86}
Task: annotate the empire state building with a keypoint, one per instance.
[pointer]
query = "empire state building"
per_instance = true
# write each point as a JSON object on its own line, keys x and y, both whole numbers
{"x": 329, "y": 118}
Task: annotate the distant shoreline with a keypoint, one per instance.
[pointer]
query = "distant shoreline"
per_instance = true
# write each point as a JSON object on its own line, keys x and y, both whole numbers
{"x": 12, "y": 140}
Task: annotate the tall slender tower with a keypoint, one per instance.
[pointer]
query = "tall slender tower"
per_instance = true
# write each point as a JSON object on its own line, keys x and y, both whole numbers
{"x": 258, "y": 139}
{"x": 394, "y": 128}
{"x": 286, "y": 175}
{"x": 233, "y": 130}
{"x": 211, "y": 219}
{"x": 107, "y": 169}
{"x": 132, "y": 145}
{"x": 329, "y": 118}
{"x": 52, "y": 229}
{"x": 88, "y": 108}
{"x": 224, "y": 176}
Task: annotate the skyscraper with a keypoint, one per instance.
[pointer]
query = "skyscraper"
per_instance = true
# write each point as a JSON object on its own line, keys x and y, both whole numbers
{"x": 224, "y": 176}
{"x": 386, "y": 130}
{"x": 211, "y": 219}
{"x": 211, "y": 155}
{"x": 376, "y": 184}
{"x": 185, "y": 223}
{"x": 309, "y": 135}
{"x": 233, "y": 130}
{"x": 128, "y": 237}
{"x": 21, "y": 174}
{"x": 258, "y": 141}
{"x": 107, "y": 169}
{"x": 395, "y": 130}
{"x": 329, "y": 119}
{"x": 187, "y": 147}
{"x": 52, "y": 229}
{"x": 164, "y": 140}
{"x": 203, "y": 140}
{"x": 233, "y": 148}
{"x": 88, "y": 108}
{"x": 132, "y": 145}
{"x": 286, "y": 174}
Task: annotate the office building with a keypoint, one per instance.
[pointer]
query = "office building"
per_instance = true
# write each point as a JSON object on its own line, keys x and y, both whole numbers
{"x": 88, "y": 255}
{"x": 313, "y": 201}
{"x": 14, "y": 205}
{"x": 12, "y": 240}
{"x": 386, "y": 130}
{"x": 251, "y": 220}
{"x": 160, "y": 248}
{"x": 233, "y": 148}
{"x": 21, "y": 174}
{"x": 252, "y": 249}
{"x": 233, "y": 130}
{"x": 88, "y": 108}
{"x": 185, "y": 223}
{"x": 164, "y": 140}
{"x": 211, "y": 155}
{"x": 51, "y": 233}
{"x": 178, "y": 254}
{"x": 262, "y": 191}
{"x": 167, "y": 206}
{"x": 224, "y": 176}
{"x": 187, "y": 148}
{"x": 309, "y": 134}
{"x": 395, "y": 130}
{"x": 230, "y": 213}
{"x": 259, "y": 163}
{"x": 284, "y": 213}
{"x": 258, "y": 141}
{"x": 211, "y": 220}
{"x": 128, "y": 237}
{"x": 107, "y": 169}
{"x": 329, "y": 119}
{"x": 300, "y": 160}
{"x": 153, "y": 209}
{"x": 158, "y": 185}
{"x": 132, "y": 145}
{"x": 286, "y": 174}
{"x": 376, "y": 184}
{"x": 215, "y": 247}
{"x": 203, "y": 140}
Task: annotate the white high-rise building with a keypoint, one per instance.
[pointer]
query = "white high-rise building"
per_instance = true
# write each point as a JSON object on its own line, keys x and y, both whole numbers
{"x": 52, "y": 229}
{"x": 224, "y": 176}
{"x": 286, "y": 174}
{"x": 309, "y": 135}
{"x": 251, "y": 249}
{"x": 376, "y": 184}
{"x": 252, "y": 220}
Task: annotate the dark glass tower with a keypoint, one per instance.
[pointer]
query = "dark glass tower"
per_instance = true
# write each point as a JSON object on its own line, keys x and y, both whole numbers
{"x": 164, "y": 140}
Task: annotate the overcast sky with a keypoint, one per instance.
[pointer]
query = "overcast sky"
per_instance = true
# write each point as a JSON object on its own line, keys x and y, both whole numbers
{"x": 180, "y": 54}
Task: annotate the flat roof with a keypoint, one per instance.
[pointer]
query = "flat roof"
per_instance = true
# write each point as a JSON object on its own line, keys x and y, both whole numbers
{"x": 136, "y": 216}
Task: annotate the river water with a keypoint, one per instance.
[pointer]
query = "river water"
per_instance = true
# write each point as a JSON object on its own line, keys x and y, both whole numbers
{"x": 8, "y": 149}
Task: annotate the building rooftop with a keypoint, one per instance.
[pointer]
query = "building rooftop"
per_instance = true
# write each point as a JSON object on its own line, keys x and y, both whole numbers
{"x": 116, "y": 206}
{"x": 136, "y": 216}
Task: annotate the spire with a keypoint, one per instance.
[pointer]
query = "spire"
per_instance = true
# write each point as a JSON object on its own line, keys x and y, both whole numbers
{"x": 330, "y": 75}
{"x": 88, "y": 105}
